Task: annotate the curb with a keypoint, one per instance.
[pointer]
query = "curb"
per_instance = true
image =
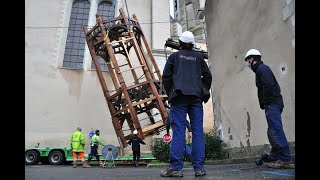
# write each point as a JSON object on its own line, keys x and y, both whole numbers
{"x": 240, "y": 161}
{"x": 222, "y": 162}
{"x": 157, "y": 165}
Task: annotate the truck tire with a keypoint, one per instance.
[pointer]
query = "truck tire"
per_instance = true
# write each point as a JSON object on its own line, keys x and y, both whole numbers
{"x": 56, "y": 157}
{"x": 32, "y": 157}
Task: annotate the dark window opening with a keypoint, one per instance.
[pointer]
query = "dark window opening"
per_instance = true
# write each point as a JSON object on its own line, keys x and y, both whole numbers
{"x": 75, "y": 45}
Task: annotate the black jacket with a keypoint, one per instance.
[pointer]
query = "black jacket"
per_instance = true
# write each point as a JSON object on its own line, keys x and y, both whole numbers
{"x": 268, "y": 87}
{"x": 135, "y": 140}
{"x": 184, "y": 73}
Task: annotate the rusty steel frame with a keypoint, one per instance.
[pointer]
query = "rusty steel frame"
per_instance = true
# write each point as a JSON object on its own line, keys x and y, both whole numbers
{"x": 117, "y": 36}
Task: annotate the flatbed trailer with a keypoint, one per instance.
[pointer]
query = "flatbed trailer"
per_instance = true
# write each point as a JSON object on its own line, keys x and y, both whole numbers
{"x": 63, "y": 155}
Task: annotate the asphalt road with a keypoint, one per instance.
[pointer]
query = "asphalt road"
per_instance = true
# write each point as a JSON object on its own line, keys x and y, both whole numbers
{"x": 246, "y": 171}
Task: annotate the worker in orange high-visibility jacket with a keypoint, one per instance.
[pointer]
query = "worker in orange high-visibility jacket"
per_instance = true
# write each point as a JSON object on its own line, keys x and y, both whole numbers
{"x": 77, "y": 145}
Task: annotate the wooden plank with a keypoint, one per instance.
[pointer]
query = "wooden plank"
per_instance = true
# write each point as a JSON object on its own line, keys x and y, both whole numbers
{"x": 143, "y": 101}
{"x": 121, "y": 110}
{"x": 137, "y": 85}
{"x": 163, "y": 96}
{"x": 152, "y": 127}
{"x": 130, "y": 69}
{"x": 115, "y": 94}
{"x": 123, "y": 40}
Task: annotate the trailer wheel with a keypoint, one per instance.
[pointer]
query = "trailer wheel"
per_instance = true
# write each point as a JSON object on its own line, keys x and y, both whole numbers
{"x": 56, "y": 157}
{"x": 32, "y": 157}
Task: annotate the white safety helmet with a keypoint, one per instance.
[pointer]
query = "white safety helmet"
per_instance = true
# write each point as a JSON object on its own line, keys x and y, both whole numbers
{"x": 252, "y": 52}
{"x": 135, "y": 132}
{"x": 187, "y": 37}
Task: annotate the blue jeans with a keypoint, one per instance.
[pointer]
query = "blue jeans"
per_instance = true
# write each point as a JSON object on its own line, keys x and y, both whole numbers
{"x": 277, "y": 138}
{"x": 178, "y": 114}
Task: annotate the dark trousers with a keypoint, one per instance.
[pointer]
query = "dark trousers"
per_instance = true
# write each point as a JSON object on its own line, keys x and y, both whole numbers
{"x": 94, "y": 152}
{"x": 277, "y": 138}
{"x": 136, "y": 156}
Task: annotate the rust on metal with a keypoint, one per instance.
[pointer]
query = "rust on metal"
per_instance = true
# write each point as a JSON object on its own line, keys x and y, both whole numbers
{"x": 130, "y": 102}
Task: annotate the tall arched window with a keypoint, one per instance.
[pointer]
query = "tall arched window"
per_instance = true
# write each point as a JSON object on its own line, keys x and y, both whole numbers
{"x": 106, "y": 11}
{"x": 74, "y": 51}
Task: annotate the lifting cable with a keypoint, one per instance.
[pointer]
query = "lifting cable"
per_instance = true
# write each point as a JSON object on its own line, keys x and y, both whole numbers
{"x": 114, "y": 8}
{"x": 128, "y": 16}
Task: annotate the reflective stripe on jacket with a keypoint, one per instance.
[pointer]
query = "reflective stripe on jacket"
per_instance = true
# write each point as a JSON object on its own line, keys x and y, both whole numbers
{"x": 96, "y": 139}
{"x": 77, "y": 141}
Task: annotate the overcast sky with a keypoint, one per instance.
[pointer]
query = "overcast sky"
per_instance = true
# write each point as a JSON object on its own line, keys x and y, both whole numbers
{"x": 171, "y": 8}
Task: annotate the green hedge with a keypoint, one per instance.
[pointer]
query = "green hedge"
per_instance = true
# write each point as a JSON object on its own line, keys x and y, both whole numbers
{"x": 161, "y": 150}
{"x": 214, "y": 146}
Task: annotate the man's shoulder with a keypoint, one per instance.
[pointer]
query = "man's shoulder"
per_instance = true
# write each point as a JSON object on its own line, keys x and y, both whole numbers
{"x": 263, "y": 68}
{"x": 77, "y": 132}
{"x": 197, "y": 53}
{"x": 173, "y": 54}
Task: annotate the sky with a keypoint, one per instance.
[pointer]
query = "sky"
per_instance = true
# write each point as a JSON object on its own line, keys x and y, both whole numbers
{"x": 171, "y": 8}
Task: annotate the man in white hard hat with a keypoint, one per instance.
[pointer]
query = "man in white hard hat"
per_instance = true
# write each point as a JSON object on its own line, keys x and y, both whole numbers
{"x": 184, "y": 76}
{"x": 136, "y": 141}
{"x": 270, "y": 100}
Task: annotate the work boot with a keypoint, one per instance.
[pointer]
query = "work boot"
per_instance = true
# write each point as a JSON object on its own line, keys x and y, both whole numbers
{"x": 74, "y": 163}
{"x": 200, "y": 172}
{"x": 86, "y": 165}
{"x": 169, "y": 172}
{"x": 281, "y": 165}
{"x": 101, "y": 163}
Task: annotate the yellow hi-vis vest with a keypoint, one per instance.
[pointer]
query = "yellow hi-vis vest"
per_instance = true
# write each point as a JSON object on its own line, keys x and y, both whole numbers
{"x": 96, "y": 140}
{"x": 77, "y": 141}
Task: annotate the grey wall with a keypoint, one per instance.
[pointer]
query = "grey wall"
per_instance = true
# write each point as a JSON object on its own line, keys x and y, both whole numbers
{"x": 234, "y": 27}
